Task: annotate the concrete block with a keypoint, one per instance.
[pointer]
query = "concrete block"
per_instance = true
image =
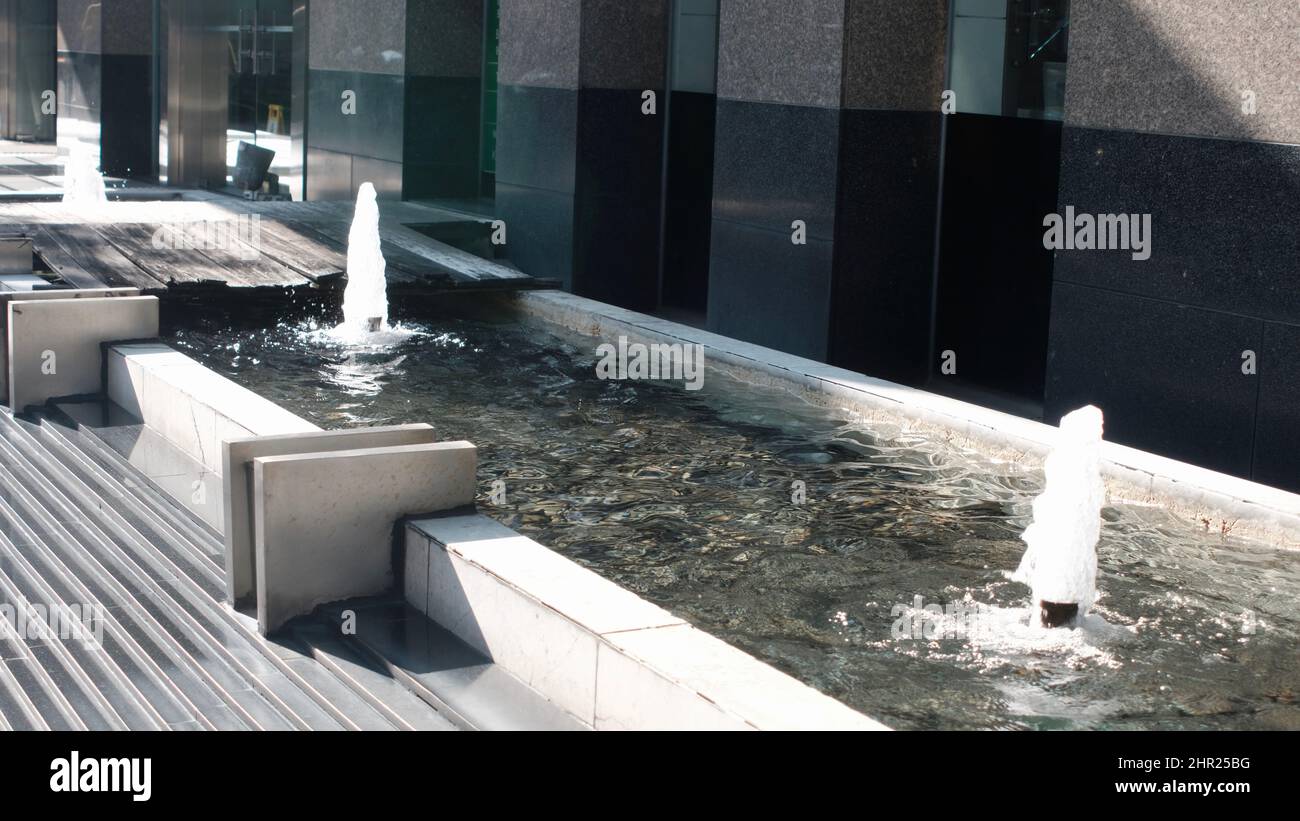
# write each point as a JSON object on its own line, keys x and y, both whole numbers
{"x": 54, "y": 344}
{"x": 584, "y": 597}
{"x": 534, "y": 643}
{"x": 736, "y": 682}
{"x": 323, "y": 522}
{"x": 190, "y": 484}
{"x": 632, "y": 696}
{"x": 415, "y": 576}
{"x": 6, "y": 298}
{"x": 238, "y": 453}
{"x": 190, "y": 406}
{"x": 602, "y": 653}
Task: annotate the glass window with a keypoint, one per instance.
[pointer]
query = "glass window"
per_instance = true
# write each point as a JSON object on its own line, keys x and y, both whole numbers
{"x": 1008, "y": 57}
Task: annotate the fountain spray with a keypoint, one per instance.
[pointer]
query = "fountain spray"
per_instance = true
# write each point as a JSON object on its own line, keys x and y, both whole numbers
{"x": 1060, "y": 563}
{"x": 82, "y": 182}
{"x": 365, "y": 301}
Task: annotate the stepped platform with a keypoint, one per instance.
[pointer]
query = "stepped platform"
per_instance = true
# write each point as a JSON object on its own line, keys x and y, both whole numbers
{"x": 84, "y": 529}
{"x": 164, "y": 239}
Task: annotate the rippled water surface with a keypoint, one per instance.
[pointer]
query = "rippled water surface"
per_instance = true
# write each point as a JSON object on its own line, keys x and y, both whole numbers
{"x": 686, "y": 498}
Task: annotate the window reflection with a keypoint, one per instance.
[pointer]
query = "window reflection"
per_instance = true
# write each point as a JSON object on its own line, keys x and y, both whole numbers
{"x": 1008, "y": 57}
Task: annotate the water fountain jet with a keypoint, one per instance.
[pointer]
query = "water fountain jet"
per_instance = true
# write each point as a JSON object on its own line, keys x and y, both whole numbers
{"x": 83, "y": 184}
{"x": 1060, "y": 562}
{"x": 365, "y": 301}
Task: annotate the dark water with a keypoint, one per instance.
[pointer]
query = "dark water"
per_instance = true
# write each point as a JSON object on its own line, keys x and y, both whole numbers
{"x": 686, "y": 498}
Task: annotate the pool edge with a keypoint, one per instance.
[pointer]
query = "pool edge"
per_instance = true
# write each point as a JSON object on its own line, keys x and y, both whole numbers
{"x": 1206, "y": 498}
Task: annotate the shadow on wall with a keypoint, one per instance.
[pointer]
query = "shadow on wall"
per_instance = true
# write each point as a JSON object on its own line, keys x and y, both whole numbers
{"x": 1192, "y": 353}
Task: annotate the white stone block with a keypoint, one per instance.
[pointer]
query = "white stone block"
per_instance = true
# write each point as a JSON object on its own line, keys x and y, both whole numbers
{"x": 54, "y": 344}
{"x": 739, "y": 684}
{"x": 35, "y": 296}
{"x": 323, "y": 522}
{"x": 584, "y": 597}
{"x": 193, "y": 408}
{"x": 415, "y": 576}
{"x": 632, "y": 696}
{"x": 238, "y": 452}
{"x": 537, "y": 645}
{"x": 608, "y": 657}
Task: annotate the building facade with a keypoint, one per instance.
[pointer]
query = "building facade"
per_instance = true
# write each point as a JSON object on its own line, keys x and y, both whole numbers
{"x": 862, "y": 182}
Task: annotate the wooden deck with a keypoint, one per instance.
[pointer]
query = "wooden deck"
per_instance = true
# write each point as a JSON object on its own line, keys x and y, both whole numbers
{"x": 293, "y": 244}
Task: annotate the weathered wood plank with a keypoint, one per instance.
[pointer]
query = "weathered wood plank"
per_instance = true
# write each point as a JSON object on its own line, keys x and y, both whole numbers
{"x": 462, "y": 264}
{"x": 298, "y": 243}
{"x": 404, "y": 267}
{"x": 302, "y": 250}
{"x": 169, "y": 266}
{"x": 70, "y": 249}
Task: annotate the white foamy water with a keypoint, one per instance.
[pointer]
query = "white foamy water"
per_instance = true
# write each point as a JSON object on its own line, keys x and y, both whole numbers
{"x": 365, "y": 300}
{"x": 1060, "y": 564}
{"x": 82, "y": 182}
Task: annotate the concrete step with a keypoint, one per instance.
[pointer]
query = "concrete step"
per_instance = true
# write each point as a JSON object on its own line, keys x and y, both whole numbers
{"x": 195, "y": 554}
{"x": 370, "y": 680}
{"x": 243, "y": 671}
{"x": 137, "y": 615}
{"x": 118, "y": 704}
{"x": 95, "y": 448}
{"x": 462, "y": 684}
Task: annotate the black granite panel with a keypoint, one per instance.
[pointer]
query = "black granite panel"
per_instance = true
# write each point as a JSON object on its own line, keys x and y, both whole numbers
{"x": 688, "y": 217}
{"x": 539, "y": 230}
{"x": 441, "y": 151}
{"x": 995, "y": 276}
{"x": 375, "y": 130}
{"x": 1168, "y": 377}
{"x": 766, "y": 290}
{"x": 775, "y": 164}
{"x": 884, "y": 243}
{"x": 616, "y": 251}
{"x": 1277, "y": 433}
{"x": 620, "y": 150}
{"x": 1224, "y": 227}
{"x": 384, "y": 175}
{"x": 619, "y": 191}
{"x": 127, "y": 135}
{"x": 537, "y": 137}
{"x": 329, "y": 175}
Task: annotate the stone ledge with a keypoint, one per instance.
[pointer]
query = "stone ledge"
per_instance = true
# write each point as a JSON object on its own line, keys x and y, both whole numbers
{"x": 603, "y": 654}
{"x": 237, "y": 455}
{"x": 73, "y": 331}
{"x": 190, "y": 406}
{"x": 30, "y": 296}
{"x": 323, "y": 522}
{"x": 1194, "y": 493}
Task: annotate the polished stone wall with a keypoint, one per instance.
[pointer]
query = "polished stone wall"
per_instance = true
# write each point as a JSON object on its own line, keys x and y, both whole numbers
{"x": 358, "y": 47}
{"x": 578, "y": 178}
{"x": 1155, "y": 125}
{"x": 828, "y": 115}
{"x": 537, "y": 132}
{"x": 105, "y": 72}
{"x": 444, "y": 87}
